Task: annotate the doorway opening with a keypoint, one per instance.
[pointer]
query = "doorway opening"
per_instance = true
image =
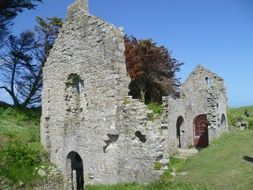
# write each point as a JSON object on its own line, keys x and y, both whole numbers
{"x": 75, "y": 170}
{"x": 223, "y": 121}
{"x": 200, "y": 126}
{"x": 180, "y": 122}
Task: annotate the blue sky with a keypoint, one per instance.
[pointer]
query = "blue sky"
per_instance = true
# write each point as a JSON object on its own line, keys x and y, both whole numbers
{"x": 215, "y": 33}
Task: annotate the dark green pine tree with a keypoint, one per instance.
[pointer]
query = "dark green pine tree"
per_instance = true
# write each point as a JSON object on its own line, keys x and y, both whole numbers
{"x": 9, "y": 9}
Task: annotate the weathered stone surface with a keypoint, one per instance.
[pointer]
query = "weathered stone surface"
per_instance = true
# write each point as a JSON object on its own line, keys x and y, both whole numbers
{"x": 94, "y": 121}
{"x": 202, "y": 93}
{"x": 242, "y": 125}
{"x": 51, "y": 183}
{"x": 5, "y": 184}
{"x": 89, "y": 124}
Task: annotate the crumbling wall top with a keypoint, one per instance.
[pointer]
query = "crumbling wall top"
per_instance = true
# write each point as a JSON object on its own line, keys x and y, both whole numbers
{"x": 80, "y": 5}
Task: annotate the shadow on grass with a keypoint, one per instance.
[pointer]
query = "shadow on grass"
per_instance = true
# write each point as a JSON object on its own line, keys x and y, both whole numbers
{"x": 248, "y": 158}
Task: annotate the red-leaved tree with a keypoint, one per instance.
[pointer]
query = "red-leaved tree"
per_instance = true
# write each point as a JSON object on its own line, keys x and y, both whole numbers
{"x": 151, "y": 69}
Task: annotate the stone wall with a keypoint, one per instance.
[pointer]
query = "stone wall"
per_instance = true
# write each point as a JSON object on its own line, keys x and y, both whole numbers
{"x": 4, "y": 183}
{"x": 205, "y": 92}
{"x": 85, "y": 85}
{"x": 141, "y": 143}
{"x": 202, "y": 93}
{"x": 51, "y": 183}
{"x": 177, "y": 109}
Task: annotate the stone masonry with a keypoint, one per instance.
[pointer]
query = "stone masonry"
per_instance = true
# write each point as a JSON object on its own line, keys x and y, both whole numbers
{"x": 203, "y": 93}
{"x": 96, "y": 133}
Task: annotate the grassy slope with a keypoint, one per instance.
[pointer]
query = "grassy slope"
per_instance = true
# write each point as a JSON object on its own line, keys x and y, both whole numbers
{"x": 222, "y": 164}
{"x": 235, "y": 114}
{"x": 20, "y": 148}
{"x": 241, "y": 110}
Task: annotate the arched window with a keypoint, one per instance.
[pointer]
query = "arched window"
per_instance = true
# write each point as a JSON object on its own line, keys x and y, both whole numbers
{"x": 76, "y": 83}
{"x": 208, "y": 82}
{"x": 74, "y": 93}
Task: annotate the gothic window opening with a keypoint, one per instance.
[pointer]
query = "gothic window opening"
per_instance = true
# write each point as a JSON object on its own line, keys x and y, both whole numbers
{"x": 75, "y": 83}
{"x": 208, "y": 82}
{"x": 79, "y": 86}
{"x": 74, "y": 93}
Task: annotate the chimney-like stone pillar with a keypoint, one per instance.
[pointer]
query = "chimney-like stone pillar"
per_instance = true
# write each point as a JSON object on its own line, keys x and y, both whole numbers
{"x": 78, "y": 6}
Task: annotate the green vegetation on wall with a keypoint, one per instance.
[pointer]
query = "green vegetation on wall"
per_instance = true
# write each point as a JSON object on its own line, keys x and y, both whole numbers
{"x": 156, "y": 108}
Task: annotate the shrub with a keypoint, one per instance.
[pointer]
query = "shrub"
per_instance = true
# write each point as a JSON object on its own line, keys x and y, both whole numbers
{"x": 157, "y": 165}
{"x": 156, "y": 108}
{"x": 250, "y": 124}
{"x": 21, "y": 155}
{"x": 20, "y": 148}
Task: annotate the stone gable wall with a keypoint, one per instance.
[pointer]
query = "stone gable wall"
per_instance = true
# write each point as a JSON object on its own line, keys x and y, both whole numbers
{"x": 93, "y": 122}
{"x": 196, "y": 97}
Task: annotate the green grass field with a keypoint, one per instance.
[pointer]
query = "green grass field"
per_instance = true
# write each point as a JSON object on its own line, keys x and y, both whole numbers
{"x": 222, "y": 165}
{"x": 237, "y": 114}
{"x": 241, "y": 110}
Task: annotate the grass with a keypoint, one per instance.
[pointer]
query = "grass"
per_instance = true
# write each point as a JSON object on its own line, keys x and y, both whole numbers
{"x": 176, "y": 164}
{"x": 20, "y": 149}
{"x": 238, "y": 114}
{"x": 221, "y": 166}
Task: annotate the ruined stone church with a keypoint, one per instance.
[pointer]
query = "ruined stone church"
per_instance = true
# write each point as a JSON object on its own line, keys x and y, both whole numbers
{"x": 94, "y": 132}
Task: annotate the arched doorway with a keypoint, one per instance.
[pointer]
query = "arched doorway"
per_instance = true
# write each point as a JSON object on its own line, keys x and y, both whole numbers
{"x": 75, "y": 170}
{"x": 200, "y": 126}
{"x": 223, "y": 121}
{"x": 180, "y": 122}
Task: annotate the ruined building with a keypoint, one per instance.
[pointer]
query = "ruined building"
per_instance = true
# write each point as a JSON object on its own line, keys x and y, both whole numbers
{"x": 96, "y": 133}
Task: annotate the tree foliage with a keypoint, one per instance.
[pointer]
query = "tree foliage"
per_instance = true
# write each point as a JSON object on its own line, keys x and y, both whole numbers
{"x": 23, "y": 60}
{"x": 9, "y": 10}
{"x": 151, "y": 69}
